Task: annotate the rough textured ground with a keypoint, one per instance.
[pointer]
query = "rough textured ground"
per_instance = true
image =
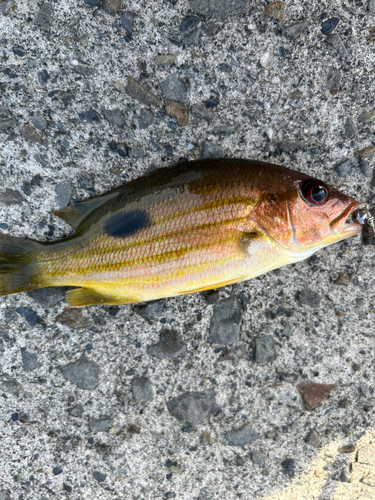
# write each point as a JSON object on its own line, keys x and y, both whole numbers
{"x": 260, "y": 390}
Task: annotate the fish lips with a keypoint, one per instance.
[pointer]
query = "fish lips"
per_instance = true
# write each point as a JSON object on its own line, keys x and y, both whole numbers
{"x": 340, "y": 228}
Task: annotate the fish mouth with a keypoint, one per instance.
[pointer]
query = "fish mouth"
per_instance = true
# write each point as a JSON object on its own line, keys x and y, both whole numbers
{"x": 342, "y": 227}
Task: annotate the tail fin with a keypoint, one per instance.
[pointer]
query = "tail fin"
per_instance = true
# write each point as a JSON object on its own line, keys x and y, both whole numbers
{"x": 17, "y": 270}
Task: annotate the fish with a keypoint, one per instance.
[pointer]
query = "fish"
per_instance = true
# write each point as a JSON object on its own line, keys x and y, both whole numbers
{"x": 193, "y": 226}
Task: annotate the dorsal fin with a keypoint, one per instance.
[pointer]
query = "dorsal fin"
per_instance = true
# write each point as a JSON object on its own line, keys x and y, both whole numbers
{"x": 75, "y": 214}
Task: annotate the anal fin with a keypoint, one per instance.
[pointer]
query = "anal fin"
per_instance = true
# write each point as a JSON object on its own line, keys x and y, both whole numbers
{"x": 80, "y": 297}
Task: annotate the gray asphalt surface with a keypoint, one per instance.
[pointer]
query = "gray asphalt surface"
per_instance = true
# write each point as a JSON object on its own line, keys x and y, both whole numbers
{"x": 219, "y": 395}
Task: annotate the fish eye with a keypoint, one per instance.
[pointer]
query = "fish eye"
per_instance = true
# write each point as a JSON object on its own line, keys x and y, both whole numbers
{"x": 315, "y": 192}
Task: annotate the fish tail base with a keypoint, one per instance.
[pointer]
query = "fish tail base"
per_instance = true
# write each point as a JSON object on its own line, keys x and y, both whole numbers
{"x": 17, "y": 268}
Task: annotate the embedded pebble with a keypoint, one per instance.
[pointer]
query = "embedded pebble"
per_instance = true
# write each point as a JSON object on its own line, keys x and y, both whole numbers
{"x": 11, "y": 386}
{"x": 74, "y": 318}
{"x": 44, "y": 16}
{"x": 169, "y": 346}
{"x": 115, "y": 116}
{"x": 333, "y": 79}
{"x": 265, "y": 350}
{"x": 175, "y": 89}
{"x": 142, "y": 390}
{"x": 29, "y": 315}
{"x": 211, "y": 150}
{"x": 294, "y": 30}
{"x": 150, "y": 310}
{"x": 39, "y": 122}
{"x": 83, "y": 373}
{"x": 366, "y": 153}
{"x": 313, "y": 439}
{"x": 7, "y": 120}
{"x": 336, "y": 42}
{"x": 166, "y": 60}
{"x": 11, "y": 197}
{"x": 345, "y": 476}
{"x": 101, "y": 424}
{"x": 88, "y": 116}
{"x": 202, "y": 113}
{"x": 192, "y": 38}
{"x": 276, "y": 10}
{"x": 367, "y": 116}
{"x": 225, "y": 321}
{"x": 266, "y": 60}
{"x": 242, "y": 436}
{"x": 329, "y": 25}
{"x": 193, "y": 407}
{"x": 313, "y": 394}
{"x": 146, "y": 119}
{"x": 30, "y": 134}
{"x": 343, "y": 279}
{"x": 307, "y": 297}
{"x": 6, "y": 6}
{"x": 188, "y": 24}
{"x": 179, "y": 112}
{"x": 366, "y": 455}
{"x": 344, "y": 168}
{"x": 127, "y": 20}
{"x": 220, "y": 9}
{"x": 64, "y": 194}
{"x": 43, "y": 76}
{"x": 349, "y": 128}
{"x": 47, "y": 297}
{"x": 99, "y": 476}
{"x": 288, "y": 467}
{"x": 111, "y": 6}
{"x": 142, "y": 94}
{"x": 30, "y": 360}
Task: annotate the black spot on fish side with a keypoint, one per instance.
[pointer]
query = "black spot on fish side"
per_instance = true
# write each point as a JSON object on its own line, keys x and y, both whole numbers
{"x": 126, "y": 224}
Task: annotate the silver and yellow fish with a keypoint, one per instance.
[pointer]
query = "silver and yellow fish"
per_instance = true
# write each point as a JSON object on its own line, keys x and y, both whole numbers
{"x": 190, "y": 227}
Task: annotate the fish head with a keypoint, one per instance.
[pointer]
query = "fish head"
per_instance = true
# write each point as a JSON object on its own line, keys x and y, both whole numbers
{"x": 303, "y": 214}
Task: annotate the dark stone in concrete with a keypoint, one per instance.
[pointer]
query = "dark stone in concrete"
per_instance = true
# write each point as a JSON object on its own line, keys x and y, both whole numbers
{"x": 295, "y": 29}
{"x": 102, "y": 424}
{"x": 265, "y": 350}
{"x": 175, "y": 89}
{"x": 82, "y": 373}
{"x": 11, "y": 197}
{"x": 142, "y": 390}
{"x": 44, "y": 17}
{"x": 188, "y": 24}
{"x": 30, "y": 360}
{"x": 193, "y": 407}
{"x": 329, "y": 25}
{"x": 29, "y": 315}
{"x": 211, "y": 150}
{"x": 307, "y": 297}
{"x": 47, "y": 297}
{"x": 64, "y": 194}
{"x": 225, "y": 321}
{"x": 169, "y": 346}
{"x": 115, "y": 116}
{"x": 151, "y": 310}
{"x": 7, "y": 120}
{"x": 220, "y": 9}
{"x": 242, "y": 436}
{"x": 99, "y": 476}
{"x": 138, "y": 91}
